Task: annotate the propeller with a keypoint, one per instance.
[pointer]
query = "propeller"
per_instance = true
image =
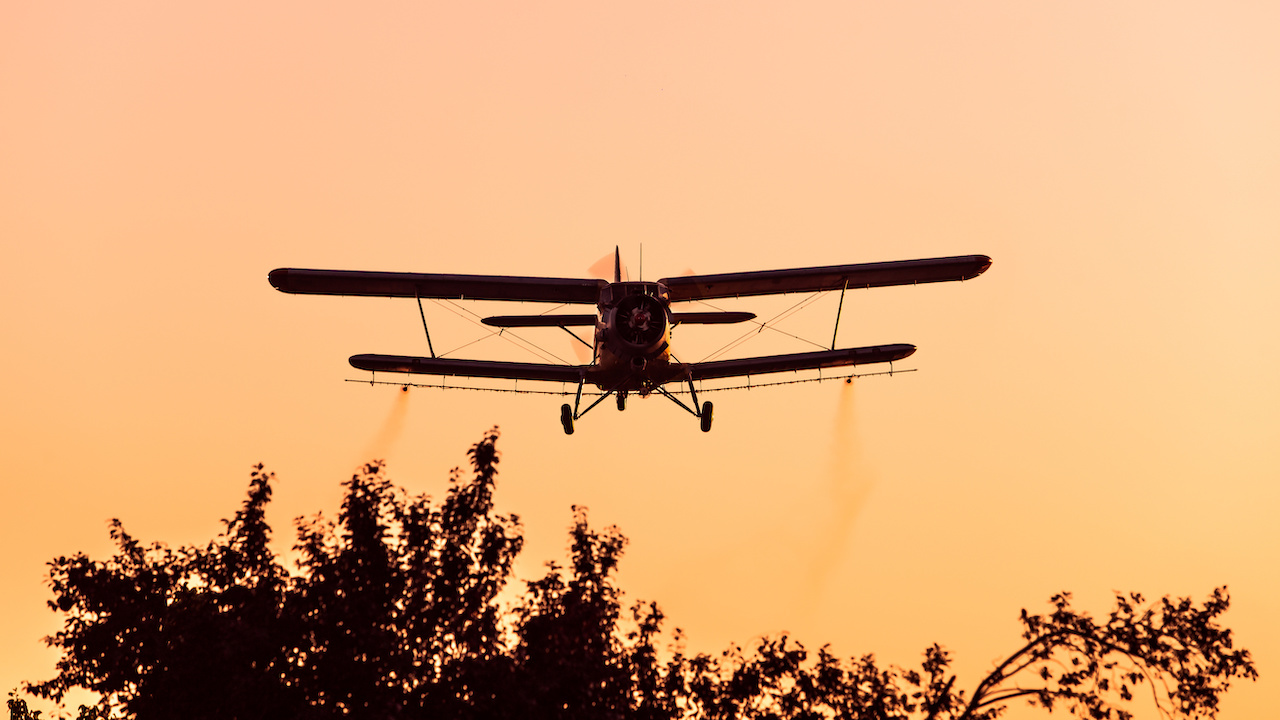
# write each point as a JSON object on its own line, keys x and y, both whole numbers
{"x": 610, "y": 268}
{"x": 581, "y": 352}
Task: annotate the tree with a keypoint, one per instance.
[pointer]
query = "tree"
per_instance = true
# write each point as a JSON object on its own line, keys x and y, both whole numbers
{"x": 1174, "y": 648}
{"x": 195, "y": 632}
{"x": 19, "y": 710}
{"x": 396, "y": 606}
{"x": 569, "y": 661}
{"x": 394, "y": 611}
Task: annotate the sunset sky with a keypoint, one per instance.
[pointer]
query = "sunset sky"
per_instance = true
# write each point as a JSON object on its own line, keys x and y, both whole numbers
{"x": 1099, "y": 412}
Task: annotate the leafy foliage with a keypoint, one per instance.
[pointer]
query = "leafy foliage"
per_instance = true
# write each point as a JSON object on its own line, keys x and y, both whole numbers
{"x": 1173, "y": 647}
{"x": 395, "y": 611}
{"x": 19, "y": 710}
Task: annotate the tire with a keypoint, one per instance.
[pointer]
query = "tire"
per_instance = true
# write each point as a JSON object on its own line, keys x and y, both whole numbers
{"x": 566, "y": 418}
{"x": 706, "y": 416}
{"x": 622, "y": 401}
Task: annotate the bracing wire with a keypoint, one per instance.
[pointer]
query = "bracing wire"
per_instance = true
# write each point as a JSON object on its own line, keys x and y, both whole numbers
{"x": 765, "y": 325}
{"x": 504, "y": 333}
{"x": 548, "y": 356}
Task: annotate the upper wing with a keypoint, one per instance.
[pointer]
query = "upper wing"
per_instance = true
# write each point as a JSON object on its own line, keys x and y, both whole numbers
{"x": 469, "y": 368}
{"x": 830, "y": 277}
{"x": 799, "y": 361}
{"x": 426, "y": 285}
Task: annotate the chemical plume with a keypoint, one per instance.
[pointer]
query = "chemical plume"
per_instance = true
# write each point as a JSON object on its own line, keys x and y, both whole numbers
{"x": 384, "y": 441}
{"x": 849, "y": 480}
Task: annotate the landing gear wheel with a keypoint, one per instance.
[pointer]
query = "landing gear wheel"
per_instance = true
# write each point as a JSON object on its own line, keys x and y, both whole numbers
{"x": 566, "y": 418}
{"x": 706, "y": 416}
{"x": 622, "y": 401}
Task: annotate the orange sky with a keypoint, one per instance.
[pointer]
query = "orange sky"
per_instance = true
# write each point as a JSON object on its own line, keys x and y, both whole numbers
{"x": 1097, "y": 413}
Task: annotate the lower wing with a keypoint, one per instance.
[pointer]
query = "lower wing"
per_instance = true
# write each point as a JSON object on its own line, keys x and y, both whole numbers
{"x": 469, "y": 368}
{"x": 798, "y": 361}
{"x": 676, "y": 372}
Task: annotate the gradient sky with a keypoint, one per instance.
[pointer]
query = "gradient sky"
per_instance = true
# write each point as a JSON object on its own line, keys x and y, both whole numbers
{"x": 1097, "y": 413}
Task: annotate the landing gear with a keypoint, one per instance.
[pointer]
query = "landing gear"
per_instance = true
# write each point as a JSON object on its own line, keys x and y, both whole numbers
{"x": 569, "y": 413}
{"x": 703, "y": 414}
{"x": 566, "y": 418}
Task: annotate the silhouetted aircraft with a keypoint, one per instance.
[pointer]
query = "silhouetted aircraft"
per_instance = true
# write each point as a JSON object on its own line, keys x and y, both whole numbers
{"x": 633, "y": 321}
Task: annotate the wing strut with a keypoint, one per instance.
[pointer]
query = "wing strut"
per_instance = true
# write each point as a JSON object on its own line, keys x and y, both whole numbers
{"x": 423, "y": 315}
{"x": 839, "y": 308}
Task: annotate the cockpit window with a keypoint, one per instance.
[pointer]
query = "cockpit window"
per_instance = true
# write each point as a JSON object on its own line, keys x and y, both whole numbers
{"x": 617, "y": 291}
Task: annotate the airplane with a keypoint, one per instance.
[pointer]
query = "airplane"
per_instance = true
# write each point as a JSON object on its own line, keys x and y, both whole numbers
{"x": 633, "y": 322}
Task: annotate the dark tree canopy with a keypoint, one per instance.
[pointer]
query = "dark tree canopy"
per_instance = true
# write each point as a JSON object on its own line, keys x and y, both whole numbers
{"x": 394, "y": 611}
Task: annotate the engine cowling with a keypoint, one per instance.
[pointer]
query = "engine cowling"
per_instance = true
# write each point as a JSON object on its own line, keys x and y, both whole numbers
{"x": 640, "y": 322}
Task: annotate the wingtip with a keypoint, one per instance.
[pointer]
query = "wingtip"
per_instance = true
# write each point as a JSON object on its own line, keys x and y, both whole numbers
{"x": 899, "y": 351}
{"x": 983, "y": 262}
{"x": 278, "y": 278}
{"x": 365, "y": 361}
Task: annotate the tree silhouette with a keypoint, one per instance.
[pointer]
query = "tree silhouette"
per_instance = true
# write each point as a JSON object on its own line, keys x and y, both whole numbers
{"x": 396, "y": 605}
{"x": 394, "y": 611}
{"x": 193, "y": 632}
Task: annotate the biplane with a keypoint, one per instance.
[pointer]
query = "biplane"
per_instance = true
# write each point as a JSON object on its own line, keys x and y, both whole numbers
{"x": 632, "y": 322}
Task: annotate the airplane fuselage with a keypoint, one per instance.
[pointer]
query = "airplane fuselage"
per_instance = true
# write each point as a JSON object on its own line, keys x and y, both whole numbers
{"x": 633, "y": 337}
